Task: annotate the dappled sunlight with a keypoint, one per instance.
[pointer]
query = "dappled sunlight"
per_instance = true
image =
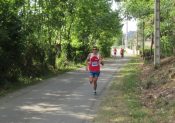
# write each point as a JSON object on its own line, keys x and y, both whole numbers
{"x": 73, "y": 96}
{"x": 81, "y": 106}
{"x": 135, "y": 63}
{"x": 40, "y": 107}
{"x": 65, "y": 109}
{"x": 66, "y": 98}
{"x": 120, "y": 119}
{"x": 92, "y": 99}
{"x": 128, "y": 71}
{"x": 52, "y": 94}
{"x": 80, "y": 115}
{"x": 2, "y": 108}
{"x": 107, "y": 108}
{"x": 56, "y": 110}
{"x": 71, "y": 106}
{"x": 119, "y": 76}
{"x": 33, "y": 118}
{"x": 109, "y": 69}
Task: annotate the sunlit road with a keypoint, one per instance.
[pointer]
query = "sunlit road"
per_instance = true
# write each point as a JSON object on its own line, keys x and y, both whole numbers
{"x": 67, "y": 98}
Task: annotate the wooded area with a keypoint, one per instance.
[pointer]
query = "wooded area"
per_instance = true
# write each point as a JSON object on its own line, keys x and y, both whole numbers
{"x": 143, "y": 11}
{"x": 36, "y": 35}
{"x": 40, "y": 39}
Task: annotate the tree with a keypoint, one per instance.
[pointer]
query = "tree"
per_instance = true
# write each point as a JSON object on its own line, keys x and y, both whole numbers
{"x": 143, "y": 10}
{"x": 11, "y": 46}
{"x": 35, "y": 34}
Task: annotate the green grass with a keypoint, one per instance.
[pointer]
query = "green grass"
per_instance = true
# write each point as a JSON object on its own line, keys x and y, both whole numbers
{"x": 130, "y": 84}
{"x": 122, "y": 103}
{"x": 161, "y": 113}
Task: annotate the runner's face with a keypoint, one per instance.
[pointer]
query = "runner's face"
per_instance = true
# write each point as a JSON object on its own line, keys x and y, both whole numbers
{"x": 95, "y": 50}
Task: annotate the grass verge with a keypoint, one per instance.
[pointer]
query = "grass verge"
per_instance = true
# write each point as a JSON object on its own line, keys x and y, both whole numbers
{"x": 121, "y": 103}
{"x": 130, "y": 87}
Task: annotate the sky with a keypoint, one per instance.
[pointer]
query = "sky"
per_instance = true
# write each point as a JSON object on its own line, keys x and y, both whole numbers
{"x": 132, "y": 24}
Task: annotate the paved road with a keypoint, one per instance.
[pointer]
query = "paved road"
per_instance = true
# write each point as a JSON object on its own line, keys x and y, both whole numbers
{"x": 67, "y": 98}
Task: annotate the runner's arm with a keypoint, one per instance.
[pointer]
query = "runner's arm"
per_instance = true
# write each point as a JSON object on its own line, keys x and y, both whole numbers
{"x": 101, "y": 60}
{"x": 87, "y": 61}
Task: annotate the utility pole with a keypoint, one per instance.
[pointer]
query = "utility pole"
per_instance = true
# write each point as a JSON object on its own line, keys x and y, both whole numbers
{"x": 157, "y": 34}
{"x": 126, "y": 41}
{"x": 143, "y": 39}
{"x": 138, "y": 44}
{"x": 123, "y": 38}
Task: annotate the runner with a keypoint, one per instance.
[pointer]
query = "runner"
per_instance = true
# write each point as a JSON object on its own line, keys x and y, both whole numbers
{"x": 93, "y": 66}
{"x": 115, "y": 52}
{"x": 122, "y": 52}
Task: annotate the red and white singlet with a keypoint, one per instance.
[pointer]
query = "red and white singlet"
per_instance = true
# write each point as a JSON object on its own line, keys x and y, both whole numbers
{"x": 94, "y": 64}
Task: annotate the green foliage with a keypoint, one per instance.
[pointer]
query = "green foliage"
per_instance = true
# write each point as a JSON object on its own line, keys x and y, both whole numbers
{"x": 62, "y": 61}
{"x": 10, "y": 43}
{"x": 166, "y": 46}
{"x": 37, "y": 35}
{"x": 143, "y": 11}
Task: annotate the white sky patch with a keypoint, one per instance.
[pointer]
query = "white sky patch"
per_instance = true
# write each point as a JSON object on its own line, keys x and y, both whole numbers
{"x": 114, "y": 5}
{"x": 132, "y": 24}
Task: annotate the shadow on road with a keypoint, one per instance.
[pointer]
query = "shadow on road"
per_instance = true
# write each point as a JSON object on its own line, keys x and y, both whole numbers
{"x": 66, "y": 98}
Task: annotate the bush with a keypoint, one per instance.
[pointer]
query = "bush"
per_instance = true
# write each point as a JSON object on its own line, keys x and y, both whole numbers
{"x": 11, "y": 45}
{"x": 61, "y": 62}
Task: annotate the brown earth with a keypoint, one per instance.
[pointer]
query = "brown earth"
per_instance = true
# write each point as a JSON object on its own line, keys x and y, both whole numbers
{"x": 158, "y": 85}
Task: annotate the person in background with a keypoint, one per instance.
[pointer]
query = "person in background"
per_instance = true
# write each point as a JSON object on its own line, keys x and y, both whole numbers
{"x": 122, "y": 52}
{"x": 115, "y": 52}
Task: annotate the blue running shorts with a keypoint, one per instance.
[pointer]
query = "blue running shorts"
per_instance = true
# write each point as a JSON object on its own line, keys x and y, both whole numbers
{"x": 94, "y": 74}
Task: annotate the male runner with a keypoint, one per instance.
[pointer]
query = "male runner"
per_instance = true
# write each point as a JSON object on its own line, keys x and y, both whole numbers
{"x": 93, "y": 66}
{"x": 115, "y": 52}
{"x": 122, "y": 52}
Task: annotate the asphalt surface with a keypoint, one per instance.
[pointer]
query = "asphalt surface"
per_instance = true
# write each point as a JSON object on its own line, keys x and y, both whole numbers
{"x": 67, "y": 98}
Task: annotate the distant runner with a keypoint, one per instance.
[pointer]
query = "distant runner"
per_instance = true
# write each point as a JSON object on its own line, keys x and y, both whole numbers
{"x": 115, "y": 52}
{"x": 93, "y": 66}
{"x": 122, "y": 52}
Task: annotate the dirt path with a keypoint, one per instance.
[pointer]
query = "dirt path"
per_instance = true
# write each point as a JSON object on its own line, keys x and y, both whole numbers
{"x": 67, "y": 98}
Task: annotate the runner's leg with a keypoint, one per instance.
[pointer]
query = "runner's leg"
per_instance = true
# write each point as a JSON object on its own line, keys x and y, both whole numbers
{"x": 95, "y": 83}
{"x": 91, "y": 78}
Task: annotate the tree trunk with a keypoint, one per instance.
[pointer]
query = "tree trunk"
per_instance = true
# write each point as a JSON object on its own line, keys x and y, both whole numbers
{"x": 152, "y": 43}
{"x": 143, "y": 42}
